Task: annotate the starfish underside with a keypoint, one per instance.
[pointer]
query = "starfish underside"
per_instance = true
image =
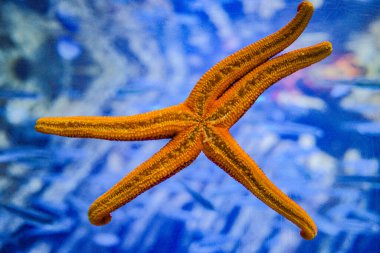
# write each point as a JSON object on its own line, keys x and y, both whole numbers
{"x": 222, "y": 95}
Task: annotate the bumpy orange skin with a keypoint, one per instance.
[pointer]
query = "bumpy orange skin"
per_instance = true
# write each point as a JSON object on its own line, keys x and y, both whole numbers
{"x": 221, "y": 96}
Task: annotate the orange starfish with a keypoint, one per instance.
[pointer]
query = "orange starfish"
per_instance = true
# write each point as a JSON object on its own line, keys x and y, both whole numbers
{"x": 202, "y": 122}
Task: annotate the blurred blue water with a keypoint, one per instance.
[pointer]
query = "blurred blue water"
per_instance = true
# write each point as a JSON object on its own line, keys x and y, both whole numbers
{"x": 316, "y": 134}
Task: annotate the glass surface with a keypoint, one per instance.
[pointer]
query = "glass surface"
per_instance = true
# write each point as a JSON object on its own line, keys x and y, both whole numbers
{"x": 315, "y": 134}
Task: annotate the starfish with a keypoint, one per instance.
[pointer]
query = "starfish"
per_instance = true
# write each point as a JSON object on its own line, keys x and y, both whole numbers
{"x": 202, "y": 122}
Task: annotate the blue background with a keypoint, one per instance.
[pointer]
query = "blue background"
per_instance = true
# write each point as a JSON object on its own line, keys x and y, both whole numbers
{"x": 316, "y": 134}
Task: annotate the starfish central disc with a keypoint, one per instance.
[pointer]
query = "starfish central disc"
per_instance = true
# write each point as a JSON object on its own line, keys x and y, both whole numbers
{"x": 201, "y": 124}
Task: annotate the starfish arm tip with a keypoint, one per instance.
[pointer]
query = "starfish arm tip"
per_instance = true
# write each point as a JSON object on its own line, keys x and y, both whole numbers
{"x": 308, "y": 235}
{"x": 37, "y": 127}
{"x": 305, "y": 4}
{"x": 324, "y": 48}
{"x": 99, "y": 220}
{"x": 40, "y": 125}
{"x": 328, "y": 45}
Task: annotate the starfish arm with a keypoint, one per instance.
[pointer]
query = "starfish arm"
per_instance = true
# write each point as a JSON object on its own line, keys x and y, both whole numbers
{"x": 223, "y": 150}
{"x": 158, "y": 124}
{"x": 237, "y": 100}
{"x": 217, "y": 80}
{"x": 173, "y": 157}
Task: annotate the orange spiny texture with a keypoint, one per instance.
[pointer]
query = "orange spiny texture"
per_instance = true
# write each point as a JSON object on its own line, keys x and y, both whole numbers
{"x": 202, "y": 122}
